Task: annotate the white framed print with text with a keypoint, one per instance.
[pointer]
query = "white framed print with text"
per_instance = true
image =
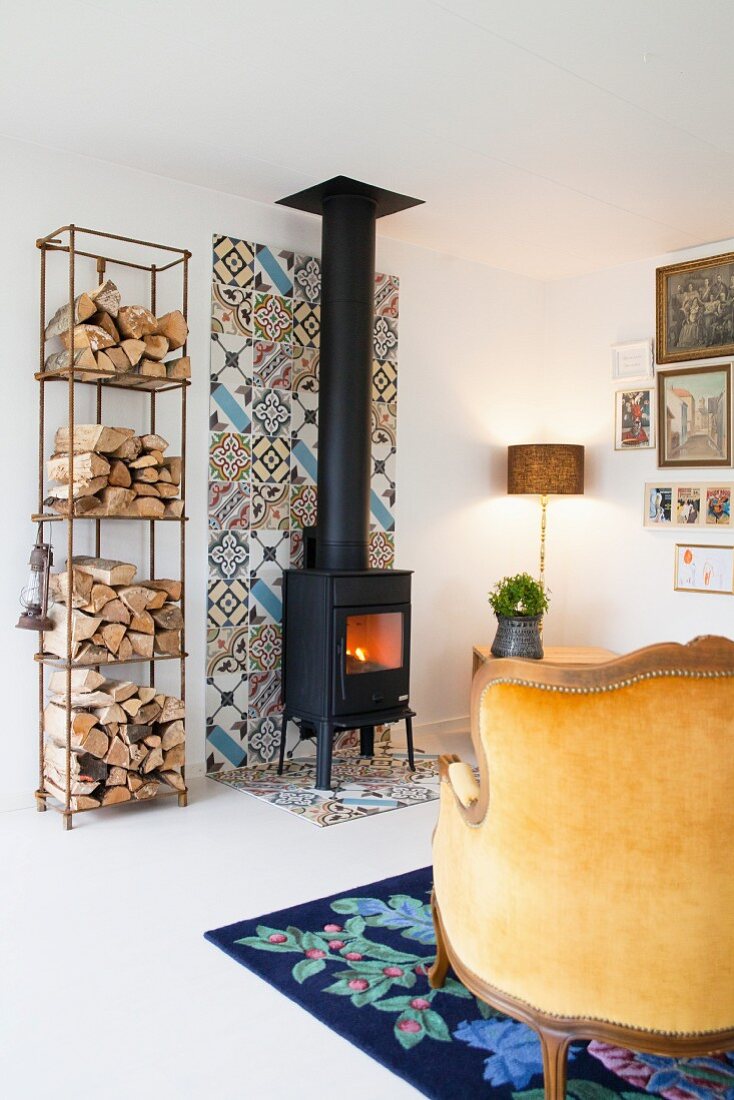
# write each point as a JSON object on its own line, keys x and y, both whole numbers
{"x": 633, "y": 361}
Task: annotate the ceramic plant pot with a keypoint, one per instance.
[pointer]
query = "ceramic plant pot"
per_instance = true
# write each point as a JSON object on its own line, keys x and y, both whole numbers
{"x": 518, "y": 637}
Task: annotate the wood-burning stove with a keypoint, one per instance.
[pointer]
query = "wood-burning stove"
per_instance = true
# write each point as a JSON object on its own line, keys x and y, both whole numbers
{"x": 346, "y": 657}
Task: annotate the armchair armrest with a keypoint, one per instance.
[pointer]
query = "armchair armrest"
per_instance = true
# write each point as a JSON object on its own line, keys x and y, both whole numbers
{"x": 460, "y": 778}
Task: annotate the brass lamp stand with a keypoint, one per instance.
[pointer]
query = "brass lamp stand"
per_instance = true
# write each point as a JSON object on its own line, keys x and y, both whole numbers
{"x": 545, "y": 470}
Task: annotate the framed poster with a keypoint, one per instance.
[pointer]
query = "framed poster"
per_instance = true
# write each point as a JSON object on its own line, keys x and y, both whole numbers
{"x": 694, "y": 416}
{"x": 634, "y": 424}
{"x": 633, "y": 361}
{"x": 704, "y": 569}
{"x": 695, "y": 309}
{"x": 688, "y": 504}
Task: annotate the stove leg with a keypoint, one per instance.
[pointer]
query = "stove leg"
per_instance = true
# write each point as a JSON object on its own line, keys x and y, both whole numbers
{"x": 367, "y": 741}
{"x": 324, "y": 745}
{"x": 409, "y": 738}
{"x": 281, "y": 752}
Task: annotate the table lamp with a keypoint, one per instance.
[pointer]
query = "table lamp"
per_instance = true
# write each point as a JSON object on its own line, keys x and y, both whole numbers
{"x": 545, "y": 469}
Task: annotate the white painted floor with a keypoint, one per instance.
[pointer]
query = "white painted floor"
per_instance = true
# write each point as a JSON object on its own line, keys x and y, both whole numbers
{"x": 107, "y": 987}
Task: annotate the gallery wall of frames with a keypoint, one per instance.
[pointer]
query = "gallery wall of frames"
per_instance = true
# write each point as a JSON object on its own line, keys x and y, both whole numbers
{"x": 667, "y": 401}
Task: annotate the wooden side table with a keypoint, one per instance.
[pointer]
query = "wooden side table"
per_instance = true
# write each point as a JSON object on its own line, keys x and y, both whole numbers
{"x": 554, "y": 655}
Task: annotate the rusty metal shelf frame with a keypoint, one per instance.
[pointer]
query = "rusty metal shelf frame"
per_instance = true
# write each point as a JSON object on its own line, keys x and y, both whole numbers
{"x": 65, "y": 240}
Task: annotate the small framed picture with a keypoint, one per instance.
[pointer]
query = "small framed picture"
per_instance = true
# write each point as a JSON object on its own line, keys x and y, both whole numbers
{"x": 634, "y": 420}
{"x": 718, "y": 506}
{"x": 688, "y": 505}
{"x": 704, "y": 569}
{"x": 633, "y": 361}
{"x": 658, "y": 505}
{"x": 694, "y": 416}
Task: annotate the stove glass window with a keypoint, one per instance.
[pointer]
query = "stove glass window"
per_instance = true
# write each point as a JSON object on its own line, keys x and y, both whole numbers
{"x": 374, "y": 642}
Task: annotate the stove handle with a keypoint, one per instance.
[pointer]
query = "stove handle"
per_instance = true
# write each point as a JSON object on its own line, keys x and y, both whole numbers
{"x": 342, "y": 662}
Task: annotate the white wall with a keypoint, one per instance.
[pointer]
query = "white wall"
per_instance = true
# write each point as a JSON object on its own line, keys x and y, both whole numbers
{"x": 470, "y": 355}
{"x": 613, "y": 579}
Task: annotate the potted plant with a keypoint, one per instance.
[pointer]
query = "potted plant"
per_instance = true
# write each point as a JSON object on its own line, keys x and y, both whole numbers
{"x": 519, "y": 603}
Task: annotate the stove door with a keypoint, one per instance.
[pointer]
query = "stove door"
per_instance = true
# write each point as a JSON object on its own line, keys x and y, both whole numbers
{"x": 372, "y": 658}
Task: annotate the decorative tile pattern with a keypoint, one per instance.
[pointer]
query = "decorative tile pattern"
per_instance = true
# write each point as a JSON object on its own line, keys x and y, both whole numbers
{"x": 306, "y": 324}
{"x": 361, "y": 788}
{"x": 231, "y": 310}
{"x": 229, "y": 456}
{"x": 271, "y": 412}
{"x": 233, "y": 261}
{"x": 229, "y": 504}
{"x": 228, "y": 553}
{"x": 272, "y": 365}
{"x": 307, "y": 279}
{"x": 273, "y": 271}
{"x": 263, "y": 469}
{"x": 272, "y": 318}
{"x": 387, "y": 294}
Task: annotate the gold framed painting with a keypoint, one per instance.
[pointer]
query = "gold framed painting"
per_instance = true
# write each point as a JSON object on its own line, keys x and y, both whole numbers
{"x": 695, "y": 309}
{"x": 704, "y": 569}
{"x": 694, "y": 416}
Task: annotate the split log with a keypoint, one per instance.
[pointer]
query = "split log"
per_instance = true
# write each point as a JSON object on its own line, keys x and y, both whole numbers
{"x": 83, "y": 309}
{"x": 142, "y": 489}
{"x": 156, "y": 347}
{"x": 143, "y": 623}
{"x": 136, "y": 322}
{"x": 134, "y": 351}
{"x": 118, "y": 753}
{"x": 154, "y": 759}
{"x": 178, "y": 369}
{"x": 157, "y": 599}
{"x": 167, "y": 492}
{"x": 106, "y": 571}
{"x": 82, "y": 679}
{"x": 82, "y": 627}
{"x": 152, "y": 442}
{"x": 114, "y": 500}
{"x": 115, "y": 612}
{"x": 113, "y": 633}
{"x": 142, "y": 644}
{"x": 87, "y": 336}
{"x": 148, "y": 790}
{"x": 144, "y": 462}
{"x": 146, "y": 694}
{"x": 173, "y": 779}
{"x": 125, "y": 652}
{"x": 119, "y": 359}
{"x": 167, "y": 642}
{"x": 76, "y": 786}
{"x": 106, "y": 297}
{"x": 169, "y": 617}
{"x": 81, "y": 698}
{"x": 117, "y": 777}
{"x": 113, "y": 795}
{"x": 149, "y": 368}
{"x": 135, "y": 781}
{"x": 92, "y": 654}
{"x": 81, "y": 487}
{"x": 172, "y": 734}
{"x": 174, "y": 509}
{"x": 84, "y": 506}
{"x": 149, "y": 507}
{"x": 172, "y": 709}
{"x": 82, "y": 765}
{"x": 172, "y": 588}
{"x": 174, "y": 758}
{"x": 54, "y": 723}
{"x": 92, "y": 437}
{"x": 119, "y": 474}
{"x": 133, "y": 732}
{"x": 132, "y": 706}
{"x": 76, "y": 802}
{"x": 87, "y": 464}
{"x": 113, "y": 714}
{"x": 120, "y": 690}
{"x": 148, "y": 713}
{"x": 104, "y": 363}
{"x": 153, "y": 740}
{"x": 81, "y": 588}
{"x": 164, "y": 474}
{"x": 84, "y": 360}
{"x": 131, "y": 448}
{"x": 101, "y": 595}
{"x": 173, "y": 326}
{"x": 136, "y": 597}
{"x": 148, "y": 473}
{"x": 104, "y": 321}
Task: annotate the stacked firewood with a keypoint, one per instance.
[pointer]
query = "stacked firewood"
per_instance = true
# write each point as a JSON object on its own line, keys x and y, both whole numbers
{"x": 125, "y": 740}
{"x": 113, "y": 617}
{"x": 116, "y": 473}
{"x": 112, "y": 339}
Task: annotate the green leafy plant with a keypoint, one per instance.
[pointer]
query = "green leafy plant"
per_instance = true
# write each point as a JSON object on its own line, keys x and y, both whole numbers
{"x": 516, "y": 596}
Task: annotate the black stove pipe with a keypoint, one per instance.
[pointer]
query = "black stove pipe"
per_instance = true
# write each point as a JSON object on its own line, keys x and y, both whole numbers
{"x": 345, "y": 387}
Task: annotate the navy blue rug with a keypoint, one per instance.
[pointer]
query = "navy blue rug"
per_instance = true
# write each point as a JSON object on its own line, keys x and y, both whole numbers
{"x": 357, "y": 961}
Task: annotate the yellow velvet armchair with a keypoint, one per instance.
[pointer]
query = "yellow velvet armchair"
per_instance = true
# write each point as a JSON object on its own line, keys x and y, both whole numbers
{"x": 586, "y": 884}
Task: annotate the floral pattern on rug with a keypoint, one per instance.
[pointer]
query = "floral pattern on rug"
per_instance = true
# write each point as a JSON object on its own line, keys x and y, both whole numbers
{"x": 358, "y": 961}
{"x": 362, "y": 786}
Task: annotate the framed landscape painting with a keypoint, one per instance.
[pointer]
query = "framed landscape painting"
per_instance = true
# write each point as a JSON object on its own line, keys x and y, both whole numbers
{"x": 634, "y": 430}
{"x": 704, "y": 569}
{"x": 694, "y": 416}
{"x": 695, "y": 309}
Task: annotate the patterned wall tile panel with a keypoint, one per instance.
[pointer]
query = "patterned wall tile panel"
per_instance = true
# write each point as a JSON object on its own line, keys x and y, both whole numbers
{"x": 263, "y": 473}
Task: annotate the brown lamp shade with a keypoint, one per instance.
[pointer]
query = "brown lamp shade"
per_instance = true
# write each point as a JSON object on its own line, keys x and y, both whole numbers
{"x": 545, "y": 469}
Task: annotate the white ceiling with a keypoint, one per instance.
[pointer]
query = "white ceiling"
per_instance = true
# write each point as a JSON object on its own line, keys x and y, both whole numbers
{"x": 550, "y": 138}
